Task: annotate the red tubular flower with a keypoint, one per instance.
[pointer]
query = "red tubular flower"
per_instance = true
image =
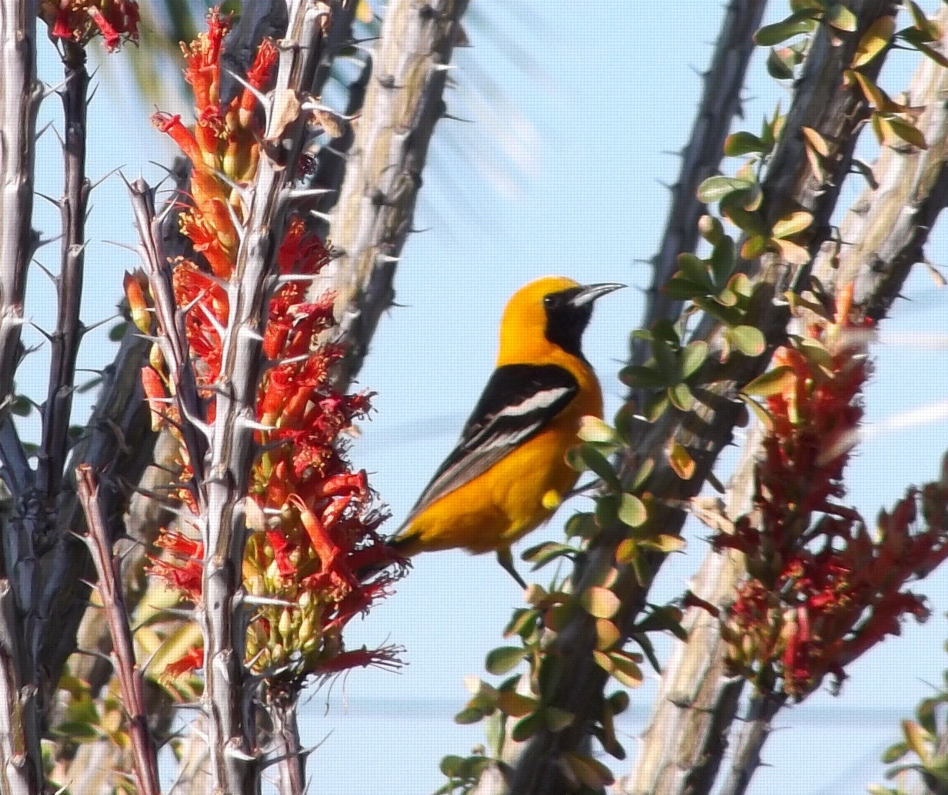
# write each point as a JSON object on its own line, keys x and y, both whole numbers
{"x": 820, "y": 590}
{"x": 315, "y": 524}
{"x": 81, "y": 20}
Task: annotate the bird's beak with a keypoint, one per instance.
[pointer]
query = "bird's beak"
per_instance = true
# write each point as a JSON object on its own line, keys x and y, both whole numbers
{"x": 590, "y": 292}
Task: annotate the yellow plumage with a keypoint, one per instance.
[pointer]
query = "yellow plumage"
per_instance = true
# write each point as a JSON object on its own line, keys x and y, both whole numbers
{"x": 508, "y": 471}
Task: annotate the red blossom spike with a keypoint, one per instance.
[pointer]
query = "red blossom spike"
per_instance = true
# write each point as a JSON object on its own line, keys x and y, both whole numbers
{"x": 319, "y": 526}
{"x": 820, "y": 591}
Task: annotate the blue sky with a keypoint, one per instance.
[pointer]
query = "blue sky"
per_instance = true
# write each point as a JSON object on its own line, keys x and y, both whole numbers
{"x": 573, "y": 115}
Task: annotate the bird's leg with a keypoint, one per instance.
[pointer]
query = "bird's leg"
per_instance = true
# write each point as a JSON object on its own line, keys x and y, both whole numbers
{"x": 505, "y": 559}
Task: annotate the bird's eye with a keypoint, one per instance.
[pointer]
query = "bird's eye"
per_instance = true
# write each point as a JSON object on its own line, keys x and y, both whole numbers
{"x": 547, "y": 301}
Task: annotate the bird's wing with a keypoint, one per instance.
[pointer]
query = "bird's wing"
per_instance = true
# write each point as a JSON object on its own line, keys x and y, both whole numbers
{"x": 517, "y": 403}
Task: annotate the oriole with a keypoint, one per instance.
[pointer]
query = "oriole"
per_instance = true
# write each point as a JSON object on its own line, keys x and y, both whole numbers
{"x": 508, "y": 473}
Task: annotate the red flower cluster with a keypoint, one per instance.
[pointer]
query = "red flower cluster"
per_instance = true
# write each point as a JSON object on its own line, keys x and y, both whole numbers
{"x": 81, "y": 20}
{"x": 821, "y": 590}
{"x": 311, "y": 519}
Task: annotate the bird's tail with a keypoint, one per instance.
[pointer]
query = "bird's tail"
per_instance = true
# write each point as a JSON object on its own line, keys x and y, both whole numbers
{"x": 390, "y": 556}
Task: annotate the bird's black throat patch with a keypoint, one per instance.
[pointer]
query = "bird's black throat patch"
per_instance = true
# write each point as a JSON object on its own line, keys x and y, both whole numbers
{"x": 565, "y": 322}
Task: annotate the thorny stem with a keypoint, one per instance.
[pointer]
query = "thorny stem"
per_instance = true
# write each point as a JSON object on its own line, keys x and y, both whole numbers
{"x": 65, "y": 339}
{"x": 746, "y": 760}
{"x": 720, "y": 103}
{"x": 127, "y": 671}
{"x": 20, "y": 94}
{"x": 822, "y": 102}
{"x": 290, "y": 757}
{"x": 228, "y": 686}
{"x": 373, "y": 217}
{"x": 883, "y": 230}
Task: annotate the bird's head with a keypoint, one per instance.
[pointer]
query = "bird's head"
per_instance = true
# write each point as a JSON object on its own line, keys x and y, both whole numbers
{"x": 552, "y": 310}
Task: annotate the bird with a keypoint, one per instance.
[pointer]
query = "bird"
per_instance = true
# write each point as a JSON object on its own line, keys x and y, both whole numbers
{"x": 507, "y": 473}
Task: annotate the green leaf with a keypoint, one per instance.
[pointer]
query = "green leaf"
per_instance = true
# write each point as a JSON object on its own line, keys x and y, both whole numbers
{"x": 642, "y": 377}
{"x": 759, "y": 411}
{"x": 645, "y": 643}
{"x": 723, "y": 261}
{"x": 780, "y": 63}
{"x": 625, "y": 421}
{"x": 742, "y": 143}
{"x": 503, "y": 659}
{"x": 922, "y": 23}
{"x": 582, "y": 525}
{"x": 117, "y": 332}
{"x": 644, "y": 471}
{"x": 749, "y": 199}
{"x": 515, "y": 704}
{"x": 749, "y": 340}
{"x": 632, "y": 510}
{"x": 543, "y": 553}
{"x": 681, "y": 461}
{"x": 842, "y": 18}
{"x": 874, "y": 40}
{"x": 895, "y": 752}
{"x": 469, "y": 715}
{"x": 801, "y": 22}
{"x": 21, "y": 406}
{"x": 741, "y": 284}
{"x": 681, "y": 396}
{"x": 750, "y": 222}
{"x": 627, "y": 551}
{"x": 682, "y": 289}
{"x": 657, "y": 407}
{"x": 791, "y": 252}
{"x": 526, "y": 727}
{"x": 597, "y": 462}
{"x": 928, "y": 52}
{"x": 625, "y": 669}
{"x": 754, "y": 246}
{"x": 593, "y": 429}
{"x": 607, "y": 634}
{"x": 557, "y": 719}
{"x": 717, "y": 187}
{"x": 792, "y": 223}
{"x": 452, "y": 765}
{"x": 693, "y": 357}
{"x": 666, "y": 360}
{"x": 600, "y": 602}
{"x": 774, "y": 381}
{"x": 693, "y": 268}
{"x": 907, "y": 132}
{"x": 664, "y": 543}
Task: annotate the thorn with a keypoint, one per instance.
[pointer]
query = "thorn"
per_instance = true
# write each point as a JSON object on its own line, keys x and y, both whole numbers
{"x": 263, "y": 601}
{"x": 254, "y": 425}
{"x": 45, "y": 270}
{"x": 43, "y": 129}
{"x": 104, "y": 177}
{"x": 307, "y": 193}
{"x": 261, "y": 97}
{"x": 87, "y": 329}
{"x": 49, "y": 337}
{"x": 50, "y": 199}
{"x": 286, "y": 278}
{"x": 42, "y": 243}
{"x": 321, "y": 216}
{"x": 251, "y": 333}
